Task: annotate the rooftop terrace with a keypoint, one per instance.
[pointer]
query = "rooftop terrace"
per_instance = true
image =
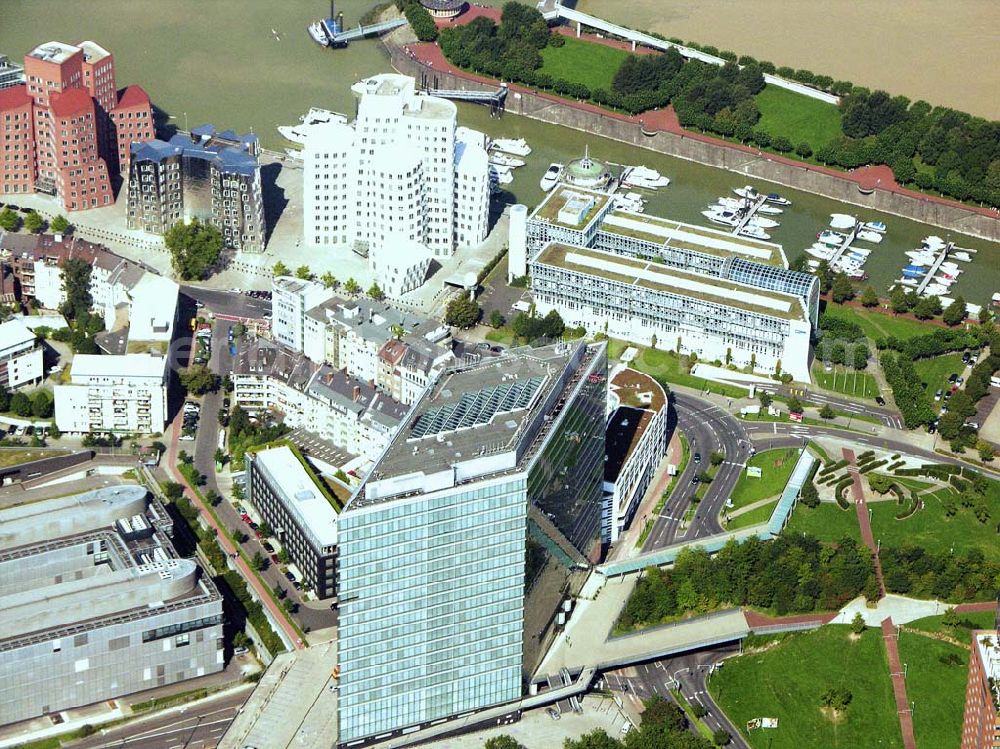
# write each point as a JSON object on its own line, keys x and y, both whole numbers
{"x": 557, "y": 201}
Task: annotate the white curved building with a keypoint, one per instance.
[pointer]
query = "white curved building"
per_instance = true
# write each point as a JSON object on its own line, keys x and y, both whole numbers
{"x": 399, "y": 265}
{"x": 398, "y": 162}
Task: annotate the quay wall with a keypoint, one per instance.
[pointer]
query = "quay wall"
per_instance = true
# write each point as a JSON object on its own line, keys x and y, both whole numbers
{"x": 800, "y": 177}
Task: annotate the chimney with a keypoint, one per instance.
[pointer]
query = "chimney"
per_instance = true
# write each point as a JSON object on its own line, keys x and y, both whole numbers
{"x": 357, "y": 393}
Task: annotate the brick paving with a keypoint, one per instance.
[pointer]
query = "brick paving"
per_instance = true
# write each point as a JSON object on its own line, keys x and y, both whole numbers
{"x": 898, "y": 683}
{"x": 971, "y": 608}
{"x": 756, "y": 619}
{"x": 861, "y": 507}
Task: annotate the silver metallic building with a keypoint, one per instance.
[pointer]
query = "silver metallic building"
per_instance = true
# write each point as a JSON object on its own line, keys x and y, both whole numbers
{"x": 479, "y": 520}
{"x": 95, "y": 603}
{"x": 212, "y": 176}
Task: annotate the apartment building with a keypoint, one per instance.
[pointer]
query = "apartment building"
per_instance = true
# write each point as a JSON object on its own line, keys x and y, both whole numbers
{"x": 981, "y": 721}
{"x": 291, "y": 298}
{"x": 20, "y": 355}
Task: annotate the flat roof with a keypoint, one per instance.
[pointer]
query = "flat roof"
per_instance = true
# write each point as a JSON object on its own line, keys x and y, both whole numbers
{"x": 623, "y": 433}
{"x": 14, "y": 333}
{"x": 122, "y": 365}
{"x": 661, "y": 278}
{"x": 300, "y": 492}
{"x": 57, "y": 52}
{"x": 562, "y": 194}
{"x": 671, "y": 233}
{"x": 638, "y": 389}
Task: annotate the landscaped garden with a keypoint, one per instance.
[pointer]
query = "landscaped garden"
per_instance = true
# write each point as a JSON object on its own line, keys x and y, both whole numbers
{"x": 580, "y": 61}
{"x": 776, "y": 467}
{"x": 798, "y": 118}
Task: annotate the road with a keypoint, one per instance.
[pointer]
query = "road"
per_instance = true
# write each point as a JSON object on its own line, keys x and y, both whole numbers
{"x": 229, "y": 303}
{"x": 886, "y": 416}
{"x": 197, "y": 727}
{"x": 688, "y": 673}
{"x": 708, "y": 428}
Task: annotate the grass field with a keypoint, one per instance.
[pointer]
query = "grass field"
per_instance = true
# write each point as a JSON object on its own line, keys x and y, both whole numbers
{"x": 931, "y": 529}
{"x": 776, "y": 466}
{"x": 579, "y": 61}
{"x": 879, "y": 325}
{"x": 845, "y": 381}
{"x": 756, "y": 516}
{"x": 935, "y": 624}
{"x": 935, "y": 370}
{"x": 827, "y": 522}
{"x": 667, "y": 367}
{"x": 787, "y": 681}
{"x": 798, "y": 118}
{"x": 13, "y": 457}
{"x": 936, "y": 689}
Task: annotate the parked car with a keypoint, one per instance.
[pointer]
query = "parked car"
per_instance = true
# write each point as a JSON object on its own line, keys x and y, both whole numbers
{"x": 267, "y": 547}
{"x": 938, "y": 394}
{"x": 274, "y": 559}
{"x": 289, "y": 576}
{"x": 880, "y": 400}
{"x": 246, "y": 518}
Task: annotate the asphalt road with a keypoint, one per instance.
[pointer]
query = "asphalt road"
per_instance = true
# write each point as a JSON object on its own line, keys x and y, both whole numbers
{"x": 688, "y": 673}
{"x": 197, "y": 727}
{"x": 887, "y": 416}
{"x": 229, "y": 303}
{"x": 708, "y": 428}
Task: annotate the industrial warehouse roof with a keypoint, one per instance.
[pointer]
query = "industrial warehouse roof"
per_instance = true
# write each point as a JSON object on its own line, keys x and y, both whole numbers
{"x": 668, "y": 280}
{"x": 683, "y": 236}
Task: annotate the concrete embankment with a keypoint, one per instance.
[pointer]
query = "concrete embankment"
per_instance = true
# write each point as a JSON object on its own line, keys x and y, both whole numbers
{"x": 692, "y": 147}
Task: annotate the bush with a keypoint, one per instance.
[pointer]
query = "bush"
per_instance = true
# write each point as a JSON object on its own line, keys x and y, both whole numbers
{"x": 420, "y": 21}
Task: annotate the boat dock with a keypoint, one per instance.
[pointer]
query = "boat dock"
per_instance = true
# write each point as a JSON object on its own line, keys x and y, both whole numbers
{"x": 751, "y": 210}
{"x": 846, "y": 244}
{"x": 339, "y": 37}
{"x": 935, "y": 267}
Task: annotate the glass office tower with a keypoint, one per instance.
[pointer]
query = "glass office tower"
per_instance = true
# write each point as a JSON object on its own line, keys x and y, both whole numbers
{"x": 498, "y": 468}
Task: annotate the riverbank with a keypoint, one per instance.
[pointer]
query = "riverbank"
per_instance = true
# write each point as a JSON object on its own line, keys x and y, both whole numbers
{"x": 659, "y": 131}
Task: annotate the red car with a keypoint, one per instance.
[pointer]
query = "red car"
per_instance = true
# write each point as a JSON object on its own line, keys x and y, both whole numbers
{"x": 274, "y": 558}
{"x": 246, "y": 518}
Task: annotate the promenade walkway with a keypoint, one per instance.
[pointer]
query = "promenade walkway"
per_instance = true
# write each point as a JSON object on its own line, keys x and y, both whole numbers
{"x": 890, "y": 637}
{"x": 864, "y": 520}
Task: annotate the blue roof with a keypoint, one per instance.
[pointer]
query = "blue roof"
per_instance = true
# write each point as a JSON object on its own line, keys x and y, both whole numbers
{"x": 228, "y": 158}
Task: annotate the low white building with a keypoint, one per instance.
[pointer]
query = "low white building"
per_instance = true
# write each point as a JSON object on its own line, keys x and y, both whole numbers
{"x": 124, "y": 394}
{"x": 636, "y": 441}
{"x": 291, "y": 298}
{"x": 399, "y": 266}
{"x": 20, "y": 355}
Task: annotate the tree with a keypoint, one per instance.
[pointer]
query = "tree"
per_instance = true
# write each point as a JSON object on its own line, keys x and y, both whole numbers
{"x": 220, "y": 456}
{"x": 303, "y": 272}
{"x": 284, "y": 557}
{"x": 76, "y": 274}
{"x": 809, "y": 495}
{"x": 858, "y": 624}
{"x": 289, "y": 605}
{"x": 59, "y": 225}
{"x": 41, "y": 404}
{"x": 462, "y": 312}
{"x": 795, "y": 405}
{"x": 842, "y": 290}
{"x": 280, "y": 269}
{"x": 259, "y": 561}
{"x": 376, "y": 293}
{"x": 199, "y": 379}
{"x": 898, "y": 300}
{"x": 721, "y": 737}
{"x": 954, "y": 314}
{"x": 328, "y": 280}
{"x": 351, "y": 286}
{"x": 9, "y": 219}
{"x": 194, "y": 248}
{"x": 804, "y": 150}
{"x": 705, "y": 477}
{"x": 927, "y": 308}
{"x": 503, "y": 741}
{"x": 184, "y": 458}
{"x": 826, "y": 412}
{"x": 765, "y": 398}
{"x": 986, "y": 452}
{"x": 172, "y": 490}
{"x": 497, "y": 319}
{"x": 836, "y": 698}
{"x": 869, "y": 297}
{"x": 213, "y": 497}
{"x": 717, "y": 457}
{"x": 265, "y": 529}
{"x": 34, "y": 223}
{"x": 20, "y": 404}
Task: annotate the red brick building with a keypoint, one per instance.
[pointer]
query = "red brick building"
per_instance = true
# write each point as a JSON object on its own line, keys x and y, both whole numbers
{"x": 981, "y": 723}
{"x": 80, "y": 126}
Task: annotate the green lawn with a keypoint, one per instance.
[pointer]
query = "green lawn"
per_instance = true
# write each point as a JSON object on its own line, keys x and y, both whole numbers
{"x": 776, "y": 466}
{"x": 845, "y": 381}
{"x": 668, "y": 367}
{"x": 799, "y": 118}
{"x": 931, "y": 529}
{"x": 978, "y": 619}
{"x": 756, "y": 516}
{"x": 936, "y": 689}
{"x": 879, "y": 325}
{"x": 787, "y": 681}
{"x": 580, "y": 61}
{"x": 935, "y": 370}
{"x": 827, "y": 522}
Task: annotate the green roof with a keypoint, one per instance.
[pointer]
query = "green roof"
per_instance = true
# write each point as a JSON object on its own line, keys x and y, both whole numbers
{"x": 556, "y": 200}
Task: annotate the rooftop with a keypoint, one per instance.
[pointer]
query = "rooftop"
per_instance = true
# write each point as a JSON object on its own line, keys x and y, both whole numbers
{"x": 557, "y": 200}
{"x": 55, "y": 52}
{"x": 624, "y": 431}
{"x": 14, "y": 333}
{"x": 476, "y": 420}
{"x": 93, "y": 52}
{"x": 133, "y": 96}
{"x": 638, "y": 389}
{"x": 230, "y": 151}
{"x": 72, "y": 102}
{"x": 670, "y": 233}
{"x": 14, "y": 96}
{"x": 303, "y": 496}
{"x": 668, "y": 280}
{"x": 87, "y": 366}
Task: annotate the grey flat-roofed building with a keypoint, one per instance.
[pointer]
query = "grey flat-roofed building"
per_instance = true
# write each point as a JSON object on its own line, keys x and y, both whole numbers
{"x": 301, "y": 512}
{"x": 96, "y": 604}
{"x": 477, "y": 523}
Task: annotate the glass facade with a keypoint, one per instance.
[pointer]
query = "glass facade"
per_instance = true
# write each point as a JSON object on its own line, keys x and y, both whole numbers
{"x": 431, "y": 612}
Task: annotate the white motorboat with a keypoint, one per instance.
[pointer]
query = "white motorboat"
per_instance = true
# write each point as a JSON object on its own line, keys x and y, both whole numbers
{"x": 773, "y": 197}
{"x": 822, "y": 251}
{"x": 933, "y": 243}
{"x": 920, "y": 257}
{"x": 830, "y": 237}
{"x": 770, "y": 210}
{"x": 764, "y": 223}
{"x": 944, "y": 280}
{"x": 747, "y": 192}
{"x": 842, "y": 221}
{"x": 726, "y": 218}
{"x": 621, "y": 203}
{"x": 642, "y": 176}
{"x": 859, "y": 251}
{"x": 965, "y": 257}
{"x": 950, "y": 268}
{"x": 935, "y": 289}
{"x": 503, "y": 174}
{"x": 732, "y": 204}
{"x": 878, "y": 226}
{"x": 812, "y": 264}
{"x": 499, "y": 158}
{"x": 315, "y": 115}
{"x": 755, "y": 232}
{"x": 318, "y": 34}
{"x": 551, "y": 177}
{"x": 294, "y": 154}
{"x": 857, "y": 273}
{"x": 516, "y": 146}
{"x": 866, "y": 235}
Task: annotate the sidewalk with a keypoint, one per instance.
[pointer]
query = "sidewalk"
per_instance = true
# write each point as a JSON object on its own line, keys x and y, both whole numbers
{"x": 898, "y": 683}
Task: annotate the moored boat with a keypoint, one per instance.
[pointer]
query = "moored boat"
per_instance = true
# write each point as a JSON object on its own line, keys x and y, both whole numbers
{"x": 867, "y": 235}
{"x": 551, "y": 177}
{"x": 773, "y": 197}
{"x": 516, "y": 146}
{"x": 878, "y": 226}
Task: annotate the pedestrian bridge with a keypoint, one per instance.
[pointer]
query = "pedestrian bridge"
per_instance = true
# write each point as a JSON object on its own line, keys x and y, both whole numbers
{"x": 553, "y": 10}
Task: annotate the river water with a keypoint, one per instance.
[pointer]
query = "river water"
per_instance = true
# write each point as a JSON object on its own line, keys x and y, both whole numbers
{"x": 218, "y": 61}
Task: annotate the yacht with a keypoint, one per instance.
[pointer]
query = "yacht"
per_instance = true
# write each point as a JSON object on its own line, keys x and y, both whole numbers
{"x": 755, "y": 232}
{"x": 770, "y": 210}
{"x": 908, "y": 281}
{"x": 820, "y": 251}
{"x": 965, "y": 257}
{"x": 935, "y": 289}
{"x": 624, "y": 203}
{"x": 309, "y": 121}
{"x": 773, "y": 197}
{"x": 933, "y": 243}
{"x": 294, "y": 154}
{"x": 731, "y": 204}
{"x": 551, "y": 177}
{"x": 842, "y": 221}
{"x": 830, "y": 237}
{"x": 724, "y": 217}
{"x": 920, "y": 257}
{"x": 764, "y": 223}
{"x": 878, "y": 226}
{"x": 914, "y": 271}
{"x": 747, "y": 192}
{"x": 866, "y": 235}
{"x": 316, "y": 115}
{"x": 503, "y": 174}
{"x": 516, "y": 146}
{"x": 642, "y": 176}
{"x": 318, "y": 34}
{"x": 812, "y": 264}
{"x": 499, "y": 158}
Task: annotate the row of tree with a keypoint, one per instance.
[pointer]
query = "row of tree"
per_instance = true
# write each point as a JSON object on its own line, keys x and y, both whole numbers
{"x": 946, "y": 576}
{"x": 419, "y": 19}
{"x": 510, "y": 50}
{"x": 10, "y": 220}
{"x": 790, "y": 574}
{"x": 936, "y": 343}
{"x": 912, "y": 398}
